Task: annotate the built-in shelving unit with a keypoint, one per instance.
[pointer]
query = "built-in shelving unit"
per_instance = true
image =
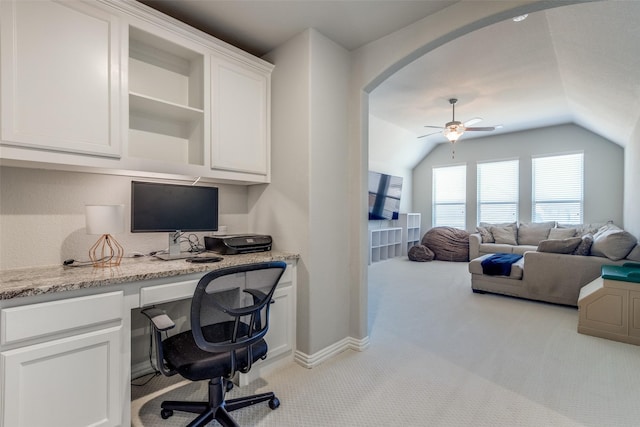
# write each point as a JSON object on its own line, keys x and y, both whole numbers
{"x": 384, "y": 243}
{"x": 410, "y": 223}
{"x": 166, "y": 100}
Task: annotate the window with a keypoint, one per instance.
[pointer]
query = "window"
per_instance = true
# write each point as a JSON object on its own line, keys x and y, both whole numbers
{"x": 558, "y": 183}
{"x": 498, "y": 191}
{"x": 449, "y": 196}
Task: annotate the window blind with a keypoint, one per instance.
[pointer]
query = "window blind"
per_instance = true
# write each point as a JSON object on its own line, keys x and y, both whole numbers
{"x": 497, "y": 191}
{"x": 449, "y": 196}
{"x": 558, "y": 188}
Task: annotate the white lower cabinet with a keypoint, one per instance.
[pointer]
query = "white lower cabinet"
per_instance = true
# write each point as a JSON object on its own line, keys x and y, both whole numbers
{"x": 66, "y": 362}
{"x": 61, "y": 362}
{"x": 68, "y": 382}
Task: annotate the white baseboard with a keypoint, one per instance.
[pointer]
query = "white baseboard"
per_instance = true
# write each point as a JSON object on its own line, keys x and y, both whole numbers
{"x": 349, "y": 343}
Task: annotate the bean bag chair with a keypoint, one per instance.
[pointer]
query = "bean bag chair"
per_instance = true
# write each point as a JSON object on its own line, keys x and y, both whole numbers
{"x": 420, "y": 253}
{"x": 447, "y": 243}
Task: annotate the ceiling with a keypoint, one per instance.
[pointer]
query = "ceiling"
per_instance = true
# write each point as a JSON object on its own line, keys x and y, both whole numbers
{"x": 571, "y": 64}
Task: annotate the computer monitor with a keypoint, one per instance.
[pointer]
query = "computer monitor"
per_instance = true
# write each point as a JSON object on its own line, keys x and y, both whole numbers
{"x": 173, "y": 208}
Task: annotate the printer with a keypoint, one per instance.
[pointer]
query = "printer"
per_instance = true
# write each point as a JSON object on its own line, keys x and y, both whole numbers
{"x": 233, "y": 244}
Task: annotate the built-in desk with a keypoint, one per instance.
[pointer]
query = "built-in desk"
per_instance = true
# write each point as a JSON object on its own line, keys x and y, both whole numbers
{"x": 65, "y": 335}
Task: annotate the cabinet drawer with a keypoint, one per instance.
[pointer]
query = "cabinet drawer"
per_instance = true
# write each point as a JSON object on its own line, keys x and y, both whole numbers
{"x": 151, "y": 295}
{"x": 35, "y": 320}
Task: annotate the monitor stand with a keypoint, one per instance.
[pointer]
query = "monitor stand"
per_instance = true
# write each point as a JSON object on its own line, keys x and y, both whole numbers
{"x": 174, "y": 244}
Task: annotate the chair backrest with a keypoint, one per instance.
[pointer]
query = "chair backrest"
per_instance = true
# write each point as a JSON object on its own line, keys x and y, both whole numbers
{"x": 239, "y": 298}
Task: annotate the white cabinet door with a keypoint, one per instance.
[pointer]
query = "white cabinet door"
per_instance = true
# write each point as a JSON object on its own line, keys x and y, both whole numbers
{"x": 73, "y": 381}
{"x": 240, "y": 118}
{"x": 280, "y": 336}
{"x": 60, "y": 77}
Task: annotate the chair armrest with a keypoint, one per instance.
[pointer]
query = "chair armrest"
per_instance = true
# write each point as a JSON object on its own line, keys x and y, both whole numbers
{"x": 159, "y": 319}
{"x": 257, "y": 295}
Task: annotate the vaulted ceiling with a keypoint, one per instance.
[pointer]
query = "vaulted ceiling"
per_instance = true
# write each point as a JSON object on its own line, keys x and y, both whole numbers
{"x": 571, "y": 64}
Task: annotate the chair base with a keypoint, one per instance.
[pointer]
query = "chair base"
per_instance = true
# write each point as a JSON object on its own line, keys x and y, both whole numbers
{"x": 217, "y": 407}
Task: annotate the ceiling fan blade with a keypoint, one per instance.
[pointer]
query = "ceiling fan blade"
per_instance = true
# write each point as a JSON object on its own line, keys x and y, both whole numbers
{"x": 435, "y": 127}
{"x": 472, "y": 121}
{"x": 488, "y": 128}
{"x": 429, "y": 134}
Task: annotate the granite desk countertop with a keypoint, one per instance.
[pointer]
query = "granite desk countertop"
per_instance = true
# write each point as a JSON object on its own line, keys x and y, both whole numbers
{"x": 24, "y": 282}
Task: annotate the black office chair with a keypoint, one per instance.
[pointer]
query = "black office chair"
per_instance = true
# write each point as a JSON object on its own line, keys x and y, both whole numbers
{"x": 226, "y": 336}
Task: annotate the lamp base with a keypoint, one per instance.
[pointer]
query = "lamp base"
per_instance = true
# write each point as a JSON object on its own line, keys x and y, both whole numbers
{"x": 106, "y": 252}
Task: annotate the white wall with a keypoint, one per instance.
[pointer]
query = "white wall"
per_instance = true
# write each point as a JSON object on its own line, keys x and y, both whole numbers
{"x": 603, "y": 169}
{"x": 42, "y": 215}
{"x": 632, "y": 182}
{"x": 307, "y": 200}
{"x": 383, "y": 138}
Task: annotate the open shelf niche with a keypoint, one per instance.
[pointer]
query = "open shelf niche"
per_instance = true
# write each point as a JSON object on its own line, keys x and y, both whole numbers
{"x": 166, "y": 100}
{"x": 410, "y": 223}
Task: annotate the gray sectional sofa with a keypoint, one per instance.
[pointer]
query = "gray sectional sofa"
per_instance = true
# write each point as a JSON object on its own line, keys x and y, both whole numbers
{"x": 554, "y": 267}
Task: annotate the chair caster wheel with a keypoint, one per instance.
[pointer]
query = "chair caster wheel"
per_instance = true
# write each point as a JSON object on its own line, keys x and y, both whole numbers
{"x": 274, "y": 403}
{"x": 166, "y": 413}
{"x": 229, "y": 386}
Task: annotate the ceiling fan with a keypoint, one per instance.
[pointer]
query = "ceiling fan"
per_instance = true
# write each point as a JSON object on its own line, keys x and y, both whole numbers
{"x": 454, "y": 129}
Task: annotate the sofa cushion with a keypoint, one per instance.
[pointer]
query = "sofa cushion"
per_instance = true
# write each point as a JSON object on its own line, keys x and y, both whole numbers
{"x": 484, "y": 228}
{"x": 505, "y": 234}
{"x": 561, "y": 233}
{"x": 560, "y": 246}
{"x": 531, "y": 233}
{"x": 613, "y": 243}
{"x": 634, "y": 255}
{"x": 475, "y": 267}
{"x": 584, "y": 248}
{"x": 491, "y": 248}
{"x": 521, "y": 249}
{"x": 582, "y": 229}
{"x": 485, "y": 234}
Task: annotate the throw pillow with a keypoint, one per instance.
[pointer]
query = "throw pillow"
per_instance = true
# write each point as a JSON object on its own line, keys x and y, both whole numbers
{"x": 584, "y": 248}
{"x": 602, "y": 230}
{"x": 531, "y": 233}
{"x": 634, "y": 255}
{"x": 613, "y": 243}
{"x": 582, "y": 229}
{"x": 562, "y": 246}
{"x": 486, "y": 235}
{"x": 562, "y": 233}
{"x": 504, "y": 235}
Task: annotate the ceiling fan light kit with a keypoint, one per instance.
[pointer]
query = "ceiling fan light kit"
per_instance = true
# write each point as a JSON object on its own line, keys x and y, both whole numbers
{"x": 454, "y": 129}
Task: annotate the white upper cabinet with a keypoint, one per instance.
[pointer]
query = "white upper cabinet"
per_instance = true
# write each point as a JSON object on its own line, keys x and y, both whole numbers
{"x": 60, "y": 77}
{"x": 121, "y": 88}
{"x": 166, "y": 102}
{"x": 240, "y": 117}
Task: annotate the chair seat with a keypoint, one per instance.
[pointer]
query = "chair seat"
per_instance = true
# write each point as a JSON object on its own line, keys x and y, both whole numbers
{"x": 182, "y": 353}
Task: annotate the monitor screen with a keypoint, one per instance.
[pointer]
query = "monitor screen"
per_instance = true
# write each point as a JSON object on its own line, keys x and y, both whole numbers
{"x": 158, "y": 207}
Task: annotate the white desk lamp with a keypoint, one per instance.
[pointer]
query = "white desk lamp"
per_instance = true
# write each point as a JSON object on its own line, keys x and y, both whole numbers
{"x": 105, "y": 220}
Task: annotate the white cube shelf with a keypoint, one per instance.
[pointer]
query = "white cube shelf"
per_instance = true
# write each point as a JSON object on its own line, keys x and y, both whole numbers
{"x": 384, "y": 243}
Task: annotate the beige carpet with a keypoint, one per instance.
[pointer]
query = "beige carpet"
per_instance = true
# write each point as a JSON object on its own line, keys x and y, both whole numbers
{"x": 443, "y": 356}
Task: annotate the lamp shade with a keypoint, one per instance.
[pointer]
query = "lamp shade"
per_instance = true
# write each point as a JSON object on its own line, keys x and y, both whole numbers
{"x": 104, "y": 219}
